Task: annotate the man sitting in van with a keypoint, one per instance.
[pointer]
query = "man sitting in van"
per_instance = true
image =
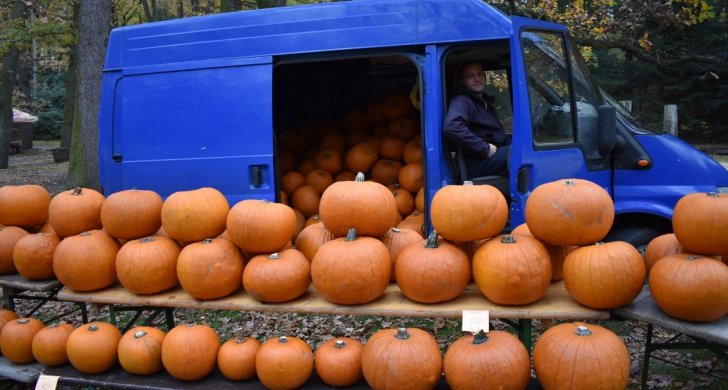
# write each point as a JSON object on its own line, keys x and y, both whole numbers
{"x": 472, "y": 124}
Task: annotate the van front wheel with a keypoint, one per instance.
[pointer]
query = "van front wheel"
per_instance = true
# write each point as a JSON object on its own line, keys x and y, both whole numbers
{"x": 637, "y": 236}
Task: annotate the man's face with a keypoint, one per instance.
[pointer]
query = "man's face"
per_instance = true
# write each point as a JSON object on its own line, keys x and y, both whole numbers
{"x": 474, "y": 78}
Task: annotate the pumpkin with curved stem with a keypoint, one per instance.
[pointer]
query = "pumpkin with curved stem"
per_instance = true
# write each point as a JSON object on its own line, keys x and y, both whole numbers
{"x": 33, "y": 255}
{"x": 366, "y": 206}
{"x": 16, "y": 339}
{"x": 189, "y": 352}
{"x": 604, "y": 275}
{"x": 264, "y": 275}
{"x": 351, "y": 270}
{"x": 569, "y": 212}
{"x": 557, "y": 253}
{"x": 512, "y": 270}
{"x": 260, "y": 226}
{"x": 24, "y": 205}
{"x": 49, "y": 344}
{"x": 468, "y": 212}
{"x": 148, "y": 265}
{"x": 195, "y": 215}
{"x": 132, "y": 213}
{"x": 496, "y": 360}
{"x": 581, "y": 356}
{"x": 432, "y": 270}
{"x": 76, "y": 211}
{"x": 92, "y": 347}
{"x": 338, "y": 361}
{"x": 690, "y": 287}
{"x": 396, "y": 240}
{"x": 284, "y": 362}
{"x": 700, "y": 222}
{"x": 210, "y": 269}
{"x": 236, "y": 358}
{"x": 402, "y": 358}
{"x": 140, "y": 350}
{"x": 86, "y": 262}
{"x": 9, "y": 236}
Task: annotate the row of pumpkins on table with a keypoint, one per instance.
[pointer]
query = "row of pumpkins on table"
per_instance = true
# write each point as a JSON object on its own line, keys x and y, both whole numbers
{"x": 352, "y": 254}
{"x": 404, "y": 358}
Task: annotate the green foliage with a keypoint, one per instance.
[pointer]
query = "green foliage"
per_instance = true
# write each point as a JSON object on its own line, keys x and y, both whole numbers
{"x": 48, "y": 102}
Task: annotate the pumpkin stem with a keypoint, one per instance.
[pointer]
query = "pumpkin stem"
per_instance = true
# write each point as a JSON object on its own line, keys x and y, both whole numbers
{"x": 508, "y": 239}
{"x": 147, "y": 239}
{"x": 239, "y": 338}
{"x": 692, "y": 257}
{"x": 77, "y": 191}
{"x": 265, "y": 201}
{"x": 207, "y": 241}
{"x": 85, "y": 234}
{"x": 351, "y": 235}
{"x": 283, "y": 339}
{"x": 598, "y": 243}
{"x": 480, "y": 337}
{"x": 23, "y": 321}
{"x": 569, "y": 182}
{"x": 468, "y": 183}
{"x": 274, "y": 256}
{"x": 713, "y": 194}
{"x": 583, "y": 331}
{"x": 432, "y": 240}
{"x": 93, "y": 328}
{"x": 339, "y": 344}
{"x": 402, "y": 334}
{"x": 139, "y": 334}
{"x": 359, "y": 177}
{"x": 395, "y": 230}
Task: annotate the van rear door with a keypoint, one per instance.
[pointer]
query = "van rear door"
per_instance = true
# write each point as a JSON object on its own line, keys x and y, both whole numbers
{"x": 551, "y": 140}
{"x": 184, "y": 126}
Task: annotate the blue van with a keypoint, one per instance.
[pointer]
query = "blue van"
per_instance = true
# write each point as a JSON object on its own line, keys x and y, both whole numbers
{"x": 216, "y": 100}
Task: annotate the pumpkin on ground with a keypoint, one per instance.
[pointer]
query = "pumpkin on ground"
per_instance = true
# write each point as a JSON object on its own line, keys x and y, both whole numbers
{"x": 210, "y": 269}
{"x": 148, "y": 265}
{"x": 189, "y": 352}
{"x": 496, "y": 360}
{"x": 432, "y": 270}
{"x": 284, "y": 362}
{"x": 512, "y": 270}
{"x": 92, "y": 347}
{"x": 569, "y": 212}
{"x": 260, "y": 226}
{"x": 338, "y": 361}
{"x": 351, "y": 270}
{"x": 236, "y": 358}
{"x": 581, "y": 356}
{"x": 33, "y": 255}
{"x": 9, "y": 236}
{"x": 604, "y": 275}
{"x": 690, "y": 287}
{"x": 86, "y": 262}
{"x": 700, "y": 222}
{"x": 195, "y": 215}
{"x": 24, "y": 205}
{"x": 265, "y": 275}
{"x": 402, "y": 358}
{"x": 16, "y": 339}
{"x": 76, "y": 211}
{"x": 132, "y": 214}
{"x": 49, "y": 344}
{"x": 468, "y": 212}
{"x": 140, "y": 350}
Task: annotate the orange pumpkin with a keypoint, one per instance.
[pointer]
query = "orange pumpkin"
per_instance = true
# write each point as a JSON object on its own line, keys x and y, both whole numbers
{"x": 9, "y": 236}
{"x": 338, "y": 361}
{"x": 260, "y": 226}
{"x": 468, "y": 212}
{"x": 306, "y": 200}
{"x": 140, "y": 350}
{"x": 148, "y": 265}
{"x": 292, "y": 181}
{"x": 396, "y": 240}
{"x": 265, "y": 274}
{"x": 386, "y": 172}
{"x": 92, "y": 348}
{"x": 76, "y": 211}
{"x": 414, "y": 222}
{"x": 210, "y": 269}
{"x": 361, "y": 157}
{"x": 311, "y": 238}
{"x": 412, "y": 153}
{"x": 33, "y": 255}
{"x": 397, "y": 103}
{"x": 700, "y": 222}
{"x": 132, "y": 213}
{"x": 86, "y": 262}
{"x": 236, "y": 358}
{"x": 403, "y": 198}
{"x": 49, "y": 344}
{"x": 411, "y": 177}
{"x": 16, "y": 339}
{"x": 189, "y": 352}
{"x": 329, "y": 161}
{"x": 319, "y": 180}
{"x": 24, "y": 205}
{"x": 403, "y": 126}
{"x": 661, "y": 246}
{"x": 557, "y": 253}
{"x": 391, "y": 148}
{"x": 284, "y": 363}
{"x": 195, "y": 215}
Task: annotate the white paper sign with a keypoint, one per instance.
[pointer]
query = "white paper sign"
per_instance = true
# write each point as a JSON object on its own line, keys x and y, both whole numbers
{"x": 47, "y": 382}
{"x": 475, "y": 320}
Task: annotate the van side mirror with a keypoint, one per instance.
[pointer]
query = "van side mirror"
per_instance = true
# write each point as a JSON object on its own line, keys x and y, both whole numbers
{"x": 607, "y": 128}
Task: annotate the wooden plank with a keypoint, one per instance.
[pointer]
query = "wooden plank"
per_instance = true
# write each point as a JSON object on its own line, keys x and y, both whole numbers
{"x": 24, "y": 373}
{"x": 18, "y": 282}
{"x": 557, "y": 304}
{"x": 644, "y": 308}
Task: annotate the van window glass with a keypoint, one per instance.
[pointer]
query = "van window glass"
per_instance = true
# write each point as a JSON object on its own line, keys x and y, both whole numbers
{"x": 497, "y": 85}
{"x": 587, "y": 101}
{"x": 548, "y": 87}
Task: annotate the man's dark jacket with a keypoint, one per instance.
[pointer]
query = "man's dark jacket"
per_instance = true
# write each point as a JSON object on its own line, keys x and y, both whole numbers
{"x": 472, "y": 126}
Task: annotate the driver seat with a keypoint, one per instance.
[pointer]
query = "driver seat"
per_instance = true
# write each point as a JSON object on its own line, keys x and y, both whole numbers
{"x": 456, "y": 162}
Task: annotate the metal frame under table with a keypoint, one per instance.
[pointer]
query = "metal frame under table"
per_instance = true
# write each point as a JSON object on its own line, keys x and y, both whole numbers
{"x": 16, "y": 287}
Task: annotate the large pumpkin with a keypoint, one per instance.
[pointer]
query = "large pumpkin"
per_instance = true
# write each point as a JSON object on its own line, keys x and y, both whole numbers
{"x": 195, "y": 215}
{"x": 284, "y": 363}
{"x": 260, "y": 226}
{"x": 9, "y": 236}
{"x": 148, "y": 265}
{"x": 496, "y": 360}
{"x": 210, "y": 269}
{"x": 278, "y": 277}
{"x": 86, "y": 262}
{"x": 338, "y": 361}
{"x": 700, "y": 222}
{"x": 92, "y": 347}
{"x": 140, "y": 350}
{"x": 690, "y": 287}
{"x": 351, "y": 270}
{"x": 661, "y": 246}
{"x": 581, "y": 356}
{"x": 24, "y": 205}
{"x": 236, "y": 358}
{"x": 16, "y": 339}
{"x": 49, "y": 344}
{"x": 132, "y": 213}
{"x": 557, "y": 253}
{"x": 76, "y": 211}
{"x": 33, "y": 255}
{"x": 468, "y": 212}
{"x": 402, "y": 359}
{"x": 432, "y": 270}
{"x": 311, "y": 238}
{"x": 366, "y": 206}
{"x": 569, "y": 212}
{"x": 189, "y": 352}
{"x": 512, "y": 270}
{"x": 604, "y": 275}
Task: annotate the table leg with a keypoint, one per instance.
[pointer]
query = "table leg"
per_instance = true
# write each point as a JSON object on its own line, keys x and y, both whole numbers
{"x": 648, "y": 354}
{"x": 524, "y": 332}
{"x": 8, "y": 297}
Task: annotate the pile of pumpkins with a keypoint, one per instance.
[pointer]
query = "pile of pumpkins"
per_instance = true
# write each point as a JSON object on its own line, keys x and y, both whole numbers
{"x": 390, "y": 359}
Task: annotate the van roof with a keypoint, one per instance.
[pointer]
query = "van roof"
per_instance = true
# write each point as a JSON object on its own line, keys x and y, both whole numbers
{"x": 360, "y": 24}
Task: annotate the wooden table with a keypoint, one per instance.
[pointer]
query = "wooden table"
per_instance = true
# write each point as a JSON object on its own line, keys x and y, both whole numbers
{"x": 23, "y": 373}
{"x": 713, "y": 335}
{"x": 16, "y": 287}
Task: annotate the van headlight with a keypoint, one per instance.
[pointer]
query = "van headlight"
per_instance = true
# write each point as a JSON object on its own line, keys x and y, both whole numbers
{"x": 723, "y": 190}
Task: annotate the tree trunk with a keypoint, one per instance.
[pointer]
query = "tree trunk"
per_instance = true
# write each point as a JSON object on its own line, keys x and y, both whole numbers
{"x": 24, "y": 81}
{"x": 147, "y": 13}
{"x": 270, "y": 3}
{"x": 93, "y": 31}
{"x": 7, "y": 78}
{"x": 180, "y": 9}
{"x": 70, "y": 96}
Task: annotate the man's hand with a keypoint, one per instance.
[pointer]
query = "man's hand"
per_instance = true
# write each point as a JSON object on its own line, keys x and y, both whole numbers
{"x": 492, "y": 150}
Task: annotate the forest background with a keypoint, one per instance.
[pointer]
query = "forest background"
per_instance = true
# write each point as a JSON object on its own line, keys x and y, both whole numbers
{"x": 652, "y": 52}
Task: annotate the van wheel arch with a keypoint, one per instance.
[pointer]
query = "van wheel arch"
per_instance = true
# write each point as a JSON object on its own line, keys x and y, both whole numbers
{"x": 638, "y": 229}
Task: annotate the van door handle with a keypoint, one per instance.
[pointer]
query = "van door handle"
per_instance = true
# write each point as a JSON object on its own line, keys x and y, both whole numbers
{"x": 116, "y": 157}
{"x": 256, "y": 176}
{"x": 524, "y": 179}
